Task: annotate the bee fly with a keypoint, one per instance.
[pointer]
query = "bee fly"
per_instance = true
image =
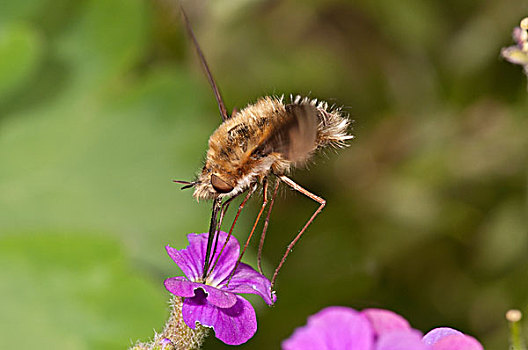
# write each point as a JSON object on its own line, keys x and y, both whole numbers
{"x": 265, "y": 139}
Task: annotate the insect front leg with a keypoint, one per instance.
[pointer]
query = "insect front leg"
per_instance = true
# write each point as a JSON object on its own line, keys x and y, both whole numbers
{"x": 310, "y": 195}
{"x": 240, "y": 207}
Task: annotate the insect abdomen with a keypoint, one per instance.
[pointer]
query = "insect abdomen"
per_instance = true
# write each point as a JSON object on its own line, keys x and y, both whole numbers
{"x": 333, "y": 125}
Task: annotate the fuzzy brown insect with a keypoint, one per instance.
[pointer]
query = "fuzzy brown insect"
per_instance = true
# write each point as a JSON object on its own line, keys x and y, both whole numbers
{"x": 265, "y": 139}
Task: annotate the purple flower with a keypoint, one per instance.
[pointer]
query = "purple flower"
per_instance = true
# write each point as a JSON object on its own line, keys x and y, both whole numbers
{"x": 338, "y": 327}
{"x": 213, "y": 302}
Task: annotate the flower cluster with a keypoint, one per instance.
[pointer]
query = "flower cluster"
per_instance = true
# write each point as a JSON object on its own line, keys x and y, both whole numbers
{"x": 518, "y": 54}
{"x": 339, "y": 327}
{"x": 214, "y": 302}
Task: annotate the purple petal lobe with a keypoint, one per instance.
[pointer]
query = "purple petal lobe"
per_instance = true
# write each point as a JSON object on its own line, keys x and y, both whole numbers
{"x": 247, "y": 280}
{"x": 191, "y": 259}
{"x": 436, "y": 334}
{"x": 226, "y": 262}
{"x": 409, "y": 339}
{"x": 457, "y": 342}
{"x": 332, "y": 328}
{"x": 234, "y": 325}
{"x": 217, "y": 297}
{"x": 384, "y": 321}
{"x": 181, "y": 287}
{"x": 188, "y": 261}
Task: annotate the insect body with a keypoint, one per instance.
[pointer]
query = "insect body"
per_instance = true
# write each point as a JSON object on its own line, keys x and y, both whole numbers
{"x": 265, "y": 139}
{"x": 268, "y": 137}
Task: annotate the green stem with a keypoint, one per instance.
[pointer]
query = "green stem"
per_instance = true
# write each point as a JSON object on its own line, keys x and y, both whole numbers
{"x": 516, "y": 339}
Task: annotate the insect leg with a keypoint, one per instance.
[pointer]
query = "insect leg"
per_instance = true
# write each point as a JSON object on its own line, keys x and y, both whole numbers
{"x": 264, "y": 203}
{"x": 240, "y": 207}
{"x": 319, "y": 200}
{"x": 265, "y": 228}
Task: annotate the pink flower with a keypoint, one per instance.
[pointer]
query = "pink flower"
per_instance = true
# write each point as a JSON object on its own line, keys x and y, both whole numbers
{"x": 337, "y": 327}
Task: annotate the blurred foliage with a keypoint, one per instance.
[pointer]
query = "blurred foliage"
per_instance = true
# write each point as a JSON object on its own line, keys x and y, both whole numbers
{"x": 102, "y": 103}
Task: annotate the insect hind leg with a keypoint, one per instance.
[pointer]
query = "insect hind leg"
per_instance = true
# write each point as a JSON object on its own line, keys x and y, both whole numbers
{"x": 265, "y": 228}
{"x": 310, "y": 195}
{"x": 264, "y": 203}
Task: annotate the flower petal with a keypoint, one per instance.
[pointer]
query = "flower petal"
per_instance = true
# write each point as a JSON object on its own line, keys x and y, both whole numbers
{"x": 248, "y": 280}
{"x": 180, "y": 286}
{"x": 218, "y": 297}
{"x": 384, "y": 321}
{"x": 408, "y": 339}
{"x": 335, "y": 327}
{"x": 434, "y": 335}
{"x": 226, "y": 262}
{"x": 457, "y": 342}
{"x": 234, "y": 325}
{"x": 515, "y": 55}
{"x": 191, "y": 259}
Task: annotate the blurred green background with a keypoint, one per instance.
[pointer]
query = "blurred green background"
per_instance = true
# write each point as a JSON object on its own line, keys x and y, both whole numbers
{"x": 103, "y": 103}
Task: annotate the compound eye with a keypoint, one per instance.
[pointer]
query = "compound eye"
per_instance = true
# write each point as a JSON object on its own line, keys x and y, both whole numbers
{"x": 220, "y": 185}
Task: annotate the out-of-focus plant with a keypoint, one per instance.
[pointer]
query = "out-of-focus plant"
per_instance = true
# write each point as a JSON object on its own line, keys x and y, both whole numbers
{"x": 518, "y": 54}
{"x": 517, "y": 342}
{"x": 336, "y": 327}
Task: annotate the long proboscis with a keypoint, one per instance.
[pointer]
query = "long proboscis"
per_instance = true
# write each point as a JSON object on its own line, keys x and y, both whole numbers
{"x": 212, "y": 232}
{"x": 210, "y": 78}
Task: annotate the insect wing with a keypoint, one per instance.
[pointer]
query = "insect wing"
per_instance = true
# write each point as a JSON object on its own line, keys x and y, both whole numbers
{"x": 295, "y": 138}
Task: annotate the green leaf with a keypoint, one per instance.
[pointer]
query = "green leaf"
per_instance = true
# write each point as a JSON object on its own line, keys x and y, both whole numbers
{"x": 74, "y": 291}
{"x": 107, "y": 39}
{"x": 21, "y": 52}
{"x": 17, "y": 10}
{"x": 105, "y": 163}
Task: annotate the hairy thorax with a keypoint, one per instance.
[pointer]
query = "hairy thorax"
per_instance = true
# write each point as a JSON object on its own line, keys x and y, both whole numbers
{"x": 263, "y": 138}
